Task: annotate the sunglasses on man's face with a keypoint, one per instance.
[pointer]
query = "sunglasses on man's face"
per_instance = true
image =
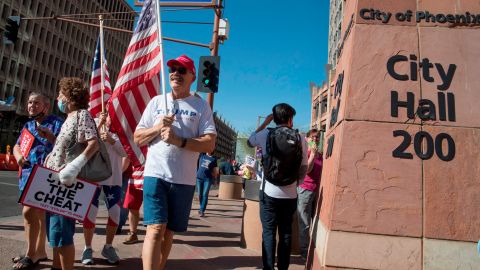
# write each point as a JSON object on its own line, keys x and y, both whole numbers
{"x": 180, "y": 70}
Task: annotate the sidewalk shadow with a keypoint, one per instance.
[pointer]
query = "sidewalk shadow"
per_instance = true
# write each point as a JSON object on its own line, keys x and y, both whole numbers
{"x": 223, "y": 204}
{"x": 211, "y": 234}
{"x": 198, "y": 226}
{"x": 209, "y": 213}
{"x": 103, "y": 231}
{"x": 100, "y": 264}
{"x": 226, "y": 210}
{"x": 209, "y": 243}
{"x": 217, "y": 263}
{"x": 11, "y": 227}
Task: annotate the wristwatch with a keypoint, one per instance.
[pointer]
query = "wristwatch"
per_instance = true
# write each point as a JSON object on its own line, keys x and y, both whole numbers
{"x": 184, "y": 142}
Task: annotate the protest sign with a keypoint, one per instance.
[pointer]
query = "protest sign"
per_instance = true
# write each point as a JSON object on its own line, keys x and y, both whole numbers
{"x": 44, "y": 191}
{"x": 250, "y": 161}
{"x": 26, "y": 142}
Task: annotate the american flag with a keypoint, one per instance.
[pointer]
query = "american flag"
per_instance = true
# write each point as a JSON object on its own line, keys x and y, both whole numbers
{"x": 95, "y": 103}
{"x": 138, "y": 81}
{"x": 136, "y": 180}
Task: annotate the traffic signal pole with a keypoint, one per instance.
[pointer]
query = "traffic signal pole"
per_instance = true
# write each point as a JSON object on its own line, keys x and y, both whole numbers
{"x": 215, "y": 42}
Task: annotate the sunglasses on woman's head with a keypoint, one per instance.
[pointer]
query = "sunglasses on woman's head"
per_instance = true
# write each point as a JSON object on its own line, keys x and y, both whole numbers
{"x": 180, "y": 70}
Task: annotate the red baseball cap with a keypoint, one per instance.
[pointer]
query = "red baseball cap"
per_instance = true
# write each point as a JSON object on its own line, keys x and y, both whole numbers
{"x": 183, "y": 61}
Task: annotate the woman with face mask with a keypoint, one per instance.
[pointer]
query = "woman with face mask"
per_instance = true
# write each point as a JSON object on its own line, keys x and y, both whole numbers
{"x": 43, "y": 129}
{"x": 79, "y": 126}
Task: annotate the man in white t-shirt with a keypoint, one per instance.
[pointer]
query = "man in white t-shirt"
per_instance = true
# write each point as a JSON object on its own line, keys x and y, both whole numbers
{"x": 175, "y": 138}
{"x": 278, "y": 203}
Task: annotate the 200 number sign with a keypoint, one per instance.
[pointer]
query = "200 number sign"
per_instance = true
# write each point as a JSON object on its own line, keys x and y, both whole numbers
{"x": 431, "y": 146}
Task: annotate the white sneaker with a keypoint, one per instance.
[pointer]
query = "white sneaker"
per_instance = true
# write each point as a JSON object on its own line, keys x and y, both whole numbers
{"x": 87, "y": 257}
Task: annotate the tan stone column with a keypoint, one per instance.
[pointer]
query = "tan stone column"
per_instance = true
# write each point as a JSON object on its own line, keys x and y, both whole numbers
{"x": 401, "y": 181}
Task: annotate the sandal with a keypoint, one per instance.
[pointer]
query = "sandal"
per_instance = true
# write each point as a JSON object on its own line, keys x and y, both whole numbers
{"x": 25, "y": 264}
{"x": 19, "y": 257}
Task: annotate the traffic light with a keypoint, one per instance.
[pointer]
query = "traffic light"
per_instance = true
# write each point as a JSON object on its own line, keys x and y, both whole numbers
{"x": 208, "y": 74}
{"x": 11, "y": 30}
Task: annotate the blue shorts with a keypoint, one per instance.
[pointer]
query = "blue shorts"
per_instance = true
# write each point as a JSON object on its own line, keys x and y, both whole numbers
{"x": 60, "y": 230}
{"x": 165, "y": 202}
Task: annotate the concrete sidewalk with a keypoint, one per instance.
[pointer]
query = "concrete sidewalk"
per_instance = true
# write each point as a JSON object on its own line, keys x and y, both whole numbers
{"x": 211, "y": 242}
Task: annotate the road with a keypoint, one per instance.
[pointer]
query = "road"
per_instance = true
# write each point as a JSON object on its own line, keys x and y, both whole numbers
{"x": 9, "y": 194}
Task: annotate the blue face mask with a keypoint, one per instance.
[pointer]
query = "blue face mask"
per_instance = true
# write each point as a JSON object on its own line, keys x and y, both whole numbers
{"x": 62, "y": 106}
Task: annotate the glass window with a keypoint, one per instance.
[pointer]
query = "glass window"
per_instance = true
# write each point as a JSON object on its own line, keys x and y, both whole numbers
{"x": 50, "y": 61}
{"x": 40, "y": 79}
{"x": 3, "y": 68}
{"x": 2, "y": 91}
{"x": 31, "y": 51}
{"x": 33, "y": 3}
{"x": 17, "y": 94}
{"x": 27, "y": 74}
{"x": 20, "y": 71}
{"x": 38, "y": 55}
{"x": 5, "y": 12}
{"x": 40, "y": 8}
{"x": 44, "y": 58}
{"x": 25, "y": 48}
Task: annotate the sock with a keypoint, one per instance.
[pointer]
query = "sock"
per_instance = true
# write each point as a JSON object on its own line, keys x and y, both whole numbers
{"x": 108, "y": 245}
{"x": 88, "y": 247}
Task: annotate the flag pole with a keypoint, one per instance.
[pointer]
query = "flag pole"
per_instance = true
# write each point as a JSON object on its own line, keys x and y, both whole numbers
{"x": 160, "y": 44}
{"x": 102, "y": 63}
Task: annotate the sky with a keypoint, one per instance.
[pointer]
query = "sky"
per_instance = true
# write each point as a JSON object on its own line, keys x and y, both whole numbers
{"x": 273, "y": 52}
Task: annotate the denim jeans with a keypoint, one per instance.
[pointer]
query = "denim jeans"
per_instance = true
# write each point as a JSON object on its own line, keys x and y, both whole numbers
{"x": 276, "y": 214}
{"x": 203, "y": 187}
{"x": 306, "y": 200}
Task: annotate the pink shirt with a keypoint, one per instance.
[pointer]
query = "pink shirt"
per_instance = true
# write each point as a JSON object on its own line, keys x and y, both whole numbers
{"x": 312, "y": 179}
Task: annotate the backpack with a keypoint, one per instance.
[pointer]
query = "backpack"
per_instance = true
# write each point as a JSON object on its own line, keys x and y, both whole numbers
{"x": 284, "y": 156}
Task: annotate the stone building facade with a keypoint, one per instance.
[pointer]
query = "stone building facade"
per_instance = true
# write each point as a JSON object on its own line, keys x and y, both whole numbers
{"x": 319, "y": 99}
{"x": 47, "y": 50}
{"x": 335, "y": 30}
{"x": 399, "y": 186}
{"x": 226, "y": 144}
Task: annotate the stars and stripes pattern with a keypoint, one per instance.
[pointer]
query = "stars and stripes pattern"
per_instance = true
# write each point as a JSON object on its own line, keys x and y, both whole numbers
{"x": 95, "y": 103}
{"x": 113, "y": 196}
{"x": 138, "y": 81}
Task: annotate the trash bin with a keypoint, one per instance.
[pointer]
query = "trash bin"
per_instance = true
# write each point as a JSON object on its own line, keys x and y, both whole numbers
{"x": 251, "y": 237}
{"x": 230, "y": 187}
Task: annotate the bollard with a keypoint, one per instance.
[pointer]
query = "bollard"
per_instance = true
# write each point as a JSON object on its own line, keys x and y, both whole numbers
{"x": 230, "y": 187}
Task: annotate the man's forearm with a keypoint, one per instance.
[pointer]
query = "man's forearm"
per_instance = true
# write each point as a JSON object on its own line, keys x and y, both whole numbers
{"x": 203, "y": 144}
{"x": 263, "y": 126}
{"x": 145, "y": 135}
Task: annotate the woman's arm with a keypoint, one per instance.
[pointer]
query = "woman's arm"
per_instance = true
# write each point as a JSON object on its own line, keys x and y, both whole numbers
{"x": 91, "y": 149}
{"x": 18, "y": 156}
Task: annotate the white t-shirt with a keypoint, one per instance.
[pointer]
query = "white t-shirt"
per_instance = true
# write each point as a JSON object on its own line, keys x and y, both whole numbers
{"x": 280, "y": 192}
{"x": 116, "y": 153}
{"x": 193, "y": 118}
